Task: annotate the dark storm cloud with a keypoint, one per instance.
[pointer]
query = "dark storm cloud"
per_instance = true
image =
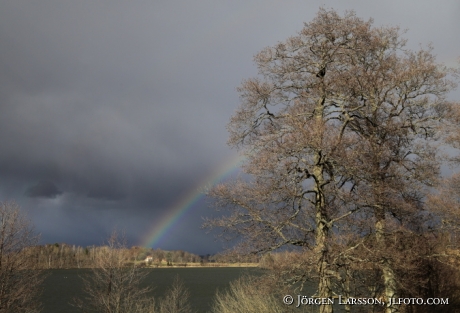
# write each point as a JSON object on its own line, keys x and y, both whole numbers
{"x": 43, "y": 189}
{"x": 122, "y": 105}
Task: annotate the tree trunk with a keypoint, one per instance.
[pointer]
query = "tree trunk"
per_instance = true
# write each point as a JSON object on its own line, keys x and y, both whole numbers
{"x": 388, "y": 274}
{"x": 324, "y": 286}
{"x": 322, "y": 229}
{"x": 322, "y": 232}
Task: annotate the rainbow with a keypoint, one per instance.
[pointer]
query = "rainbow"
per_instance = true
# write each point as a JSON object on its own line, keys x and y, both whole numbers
{"x": 164, "y": 225}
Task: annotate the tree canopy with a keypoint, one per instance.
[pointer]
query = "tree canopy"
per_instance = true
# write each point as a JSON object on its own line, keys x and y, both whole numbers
{"x": 340, "y": 131}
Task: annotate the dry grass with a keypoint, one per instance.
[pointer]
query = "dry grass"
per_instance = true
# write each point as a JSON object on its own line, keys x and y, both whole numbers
{"x": 253, "y": 295}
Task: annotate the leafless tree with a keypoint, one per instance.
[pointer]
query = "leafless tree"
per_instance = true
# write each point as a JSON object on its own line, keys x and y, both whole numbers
{"x": 445, "y": 200}
{"x": 336, "y": 135}
{"x": 176, "y": 299}
{"x": 114, "y": 286}
{"x": 397, "y": 161}
{"x": 19, "y": 279}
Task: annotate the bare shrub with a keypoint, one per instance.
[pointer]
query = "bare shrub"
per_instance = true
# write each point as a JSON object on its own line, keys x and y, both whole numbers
{"x": 176, "y": 299}
{"x": 248, "y": 295}
{"x": 114, "y": 286}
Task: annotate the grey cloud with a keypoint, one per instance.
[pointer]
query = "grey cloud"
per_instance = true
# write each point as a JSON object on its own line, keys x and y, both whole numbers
{"x": 123, "y": 105}
{"x": 43, "y": 189}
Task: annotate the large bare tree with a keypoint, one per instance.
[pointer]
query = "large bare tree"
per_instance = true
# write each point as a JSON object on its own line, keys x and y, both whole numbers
{"x": 19, "y": 278}
{"x": 403, "y": 99}
{"x": 445, "y": 200}
{"x": 335, "y": 128}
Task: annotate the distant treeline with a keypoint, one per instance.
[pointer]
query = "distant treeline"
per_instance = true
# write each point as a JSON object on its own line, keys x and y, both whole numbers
{"x": 61, "y": 255}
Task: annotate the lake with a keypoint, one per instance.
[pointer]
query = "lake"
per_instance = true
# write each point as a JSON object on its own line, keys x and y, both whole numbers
{"x": 61, "y": 286}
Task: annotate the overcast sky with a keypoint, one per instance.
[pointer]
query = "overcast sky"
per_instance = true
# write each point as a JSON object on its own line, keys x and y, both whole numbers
{"x": 112, "y": 111}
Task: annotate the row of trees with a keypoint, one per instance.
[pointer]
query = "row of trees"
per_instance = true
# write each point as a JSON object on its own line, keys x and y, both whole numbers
{"x": 233, "y": 256}
{"x": 71, "y": 256}
{"x": 343, "y": 132}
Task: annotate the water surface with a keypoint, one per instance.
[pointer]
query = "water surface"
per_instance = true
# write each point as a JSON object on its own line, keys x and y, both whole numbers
{"x": 61, "y": 286}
